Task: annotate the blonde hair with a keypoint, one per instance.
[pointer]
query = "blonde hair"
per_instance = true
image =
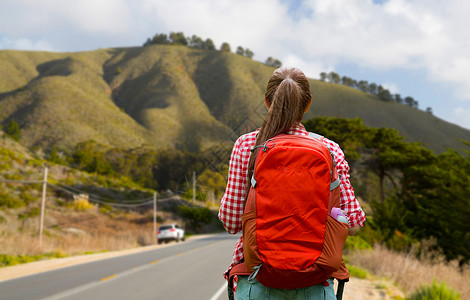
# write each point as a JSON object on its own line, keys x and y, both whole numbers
{"x": 288, "y": 94}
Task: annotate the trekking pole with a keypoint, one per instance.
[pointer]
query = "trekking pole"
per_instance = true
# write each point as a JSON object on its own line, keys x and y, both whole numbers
{"x": 339, "y": 291}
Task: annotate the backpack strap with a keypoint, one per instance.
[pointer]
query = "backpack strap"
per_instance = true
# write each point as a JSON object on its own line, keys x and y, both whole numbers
{"x": 315, "y": 136}
{"x": 319, "y": 137}
{"x": 240, "y": 269}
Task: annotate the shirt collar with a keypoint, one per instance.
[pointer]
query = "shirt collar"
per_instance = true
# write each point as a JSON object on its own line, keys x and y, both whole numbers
{"x": 298, "y": 129}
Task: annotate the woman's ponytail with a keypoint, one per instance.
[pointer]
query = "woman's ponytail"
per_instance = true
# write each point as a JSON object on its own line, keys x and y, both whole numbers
{"x": 288, "y": 94}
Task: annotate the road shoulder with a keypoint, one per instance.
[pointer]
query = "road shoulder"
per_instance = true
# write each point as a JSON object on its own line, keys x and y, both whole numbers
{"x": 17, "y": 271}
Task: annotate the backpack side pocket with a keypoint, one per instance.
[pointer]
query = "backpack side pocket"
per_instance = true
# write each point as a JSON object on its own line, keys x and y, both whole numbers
{"x": 332, "y": 253}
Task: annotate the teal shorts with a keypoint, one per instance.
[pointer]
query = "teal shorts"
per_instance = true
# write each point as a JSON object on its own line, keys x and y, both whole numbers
{"x": 255, "y": 290}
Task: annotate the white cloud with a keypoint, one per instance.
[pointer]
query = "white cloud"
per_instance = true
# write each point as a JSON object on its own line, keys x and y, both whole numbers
{"x": 392, "y": 87}
{"x": 48, "y": 17}
{"x": 25, "y": 44}
{"x": 311, "y": 69}
{"x": 431, "y": 36}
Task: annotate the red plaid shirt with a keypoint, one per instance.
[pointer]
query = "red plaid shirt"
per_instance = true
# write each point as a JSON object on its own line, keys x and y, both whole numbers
{"x": 233, "y": 201}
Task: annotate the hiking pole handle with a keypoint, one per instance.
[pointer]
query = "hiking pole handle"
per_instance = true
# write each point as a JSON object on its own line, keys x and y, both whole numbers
{"x": 339, "y": 291}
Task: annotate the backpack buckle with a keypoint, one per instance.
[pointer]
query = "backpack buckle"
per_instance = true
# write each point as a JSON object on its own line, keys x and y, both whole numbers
{"x": 253, "y": 181}
{"x": 255, "y": 272}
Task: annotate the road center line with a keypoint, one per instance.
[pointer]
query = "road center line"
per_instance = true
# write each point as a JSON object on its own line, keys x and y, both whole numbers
{"x": 222, "y": 289}
{"x": 109, "y": 277}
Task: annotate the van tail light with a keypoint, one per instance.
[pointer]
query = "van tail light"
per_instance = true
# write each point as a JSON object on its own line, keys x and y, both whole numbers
{"x": 158, "y": 231}
{"x": 172, "y": 230}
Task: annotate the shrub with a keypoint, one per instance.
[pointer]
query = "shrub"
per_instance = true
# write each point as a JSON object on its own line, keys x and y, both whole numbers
{"x": 436, "y": 291}
{"x": 195, "y": 217}
{"x": 10, "y": 202}
{"x": 82, "y": 204}
{"x": 9, "y": 260}
{"x": 13, "y": 130}
{"x": 356, "y": 243}
{"x": 106, "y": 209}
{"x": 33, "y": 212}
{"x": 27, "y": 197}
{"x": 6, "y": 156}
{"x": 357, "y": 272}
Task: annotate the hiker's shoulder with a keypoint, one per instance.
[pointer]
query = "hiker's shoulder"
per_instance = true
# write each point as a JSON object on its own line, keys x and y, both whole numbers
{"x": 332, "y": 145}
{"x": 246, "y": 140}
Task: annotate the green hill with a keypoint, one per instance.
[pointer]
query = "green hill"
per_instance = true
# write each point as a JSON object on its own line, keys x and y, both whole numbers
{"x": 172, "y": 96}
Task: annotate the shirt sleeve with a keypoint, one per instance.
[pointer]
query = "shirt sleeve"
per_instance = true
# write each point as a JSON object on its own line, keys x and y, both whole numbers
{"x": 233, "y": 201}
{"x": 348, "y": 202}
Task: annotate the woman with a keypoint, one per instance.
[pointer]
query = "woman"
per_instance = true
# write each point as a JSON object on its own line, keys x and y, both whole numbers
{"x": 287, "y": 98}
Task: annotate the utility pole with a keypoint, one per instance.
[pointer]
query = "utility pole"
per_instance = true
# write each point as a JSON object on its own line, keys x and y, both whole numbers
{"x": 194, "y": 185}
{"x": 43, "y": 205}
{"x": 155, "y": 217}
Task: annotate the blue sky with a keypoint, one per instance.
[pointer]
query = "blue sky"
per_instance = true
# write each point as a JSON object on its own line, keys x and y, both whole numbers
{"x": 418, "y": 48}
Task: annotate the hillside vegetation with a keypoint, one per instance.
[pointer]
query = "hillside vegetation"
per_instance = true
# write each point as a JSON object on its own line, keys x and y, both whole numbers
{"x": 169, "y": 96}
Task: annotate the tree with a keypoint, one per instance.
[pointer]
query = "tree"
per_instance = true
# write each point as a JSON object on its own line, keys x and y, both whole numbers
{"x": 208, "y": 45}
{"x": 178, "y": 38}
{"x": 88, "y": 157}
{"x": 160, "y": 39}
{"x": 398, "y": 99}
{"x": 333, "y": 77}
{"x": 240, "y": 50}
{"x": 213, "y": 180}
{"x": 347, "y": 81}
{"x": 195, "y": 42}
{"x": 385, "y": 95}
{"x": 409, "y": 101}
{"x": 249, "y": 53}
{"x": 372, "y": 89}
{"x": 195, "y": 217}
{"x": 13, "y": 130}
{"x": 148, "y": 42}
{"x": 56, "y": 157}
{"x": 273, "y": 62}
{"x": 225, "y": 47}
{"x": 363, "y": 85}
{"x": 420, "y": 195}
{"x": 429, "y": 110}
{"x": 323, "y": 76}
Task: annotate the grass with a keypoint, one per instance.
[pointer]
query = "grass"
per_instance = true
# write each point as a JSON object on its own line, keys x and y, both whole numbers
{"x": 435, "y": 291}
{"x": 9, "y": 260}
{"x": 357, "y": 272}
{"x": 411, "y": 273}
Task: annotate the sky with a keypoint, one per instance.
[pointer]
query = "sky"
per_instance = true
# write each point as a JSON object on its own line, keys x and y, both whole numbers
{"x": 417, "y": 48}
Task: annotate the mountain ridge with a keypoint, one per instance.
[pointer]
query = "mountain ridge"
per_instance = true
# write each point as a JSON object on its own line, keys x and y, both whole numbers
{"x": 171, "y": 96}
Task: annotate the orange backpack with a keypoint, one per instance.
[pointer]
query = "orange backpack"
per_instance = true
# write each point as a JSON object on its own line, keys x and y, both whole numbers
{"x": 290, "y": 239}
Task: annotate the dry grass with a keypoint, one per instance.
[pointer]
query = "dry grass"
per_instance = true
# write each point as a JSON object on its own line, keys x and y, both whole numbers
{"x": 71, "y": 232}
{"x": 409, "y": 272}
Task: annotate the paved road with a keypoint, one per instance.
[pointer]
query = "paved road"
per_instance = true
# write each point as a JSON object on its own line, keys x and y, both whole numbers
{"x": 189, "y": 270}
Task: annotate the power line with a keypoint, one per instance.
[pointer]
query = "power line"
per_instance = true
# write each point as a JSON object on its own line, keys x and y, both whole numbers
{"x": 20, "y": 181}
{"x": 92, "y": 199}
{"x": 99, "y": 199}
